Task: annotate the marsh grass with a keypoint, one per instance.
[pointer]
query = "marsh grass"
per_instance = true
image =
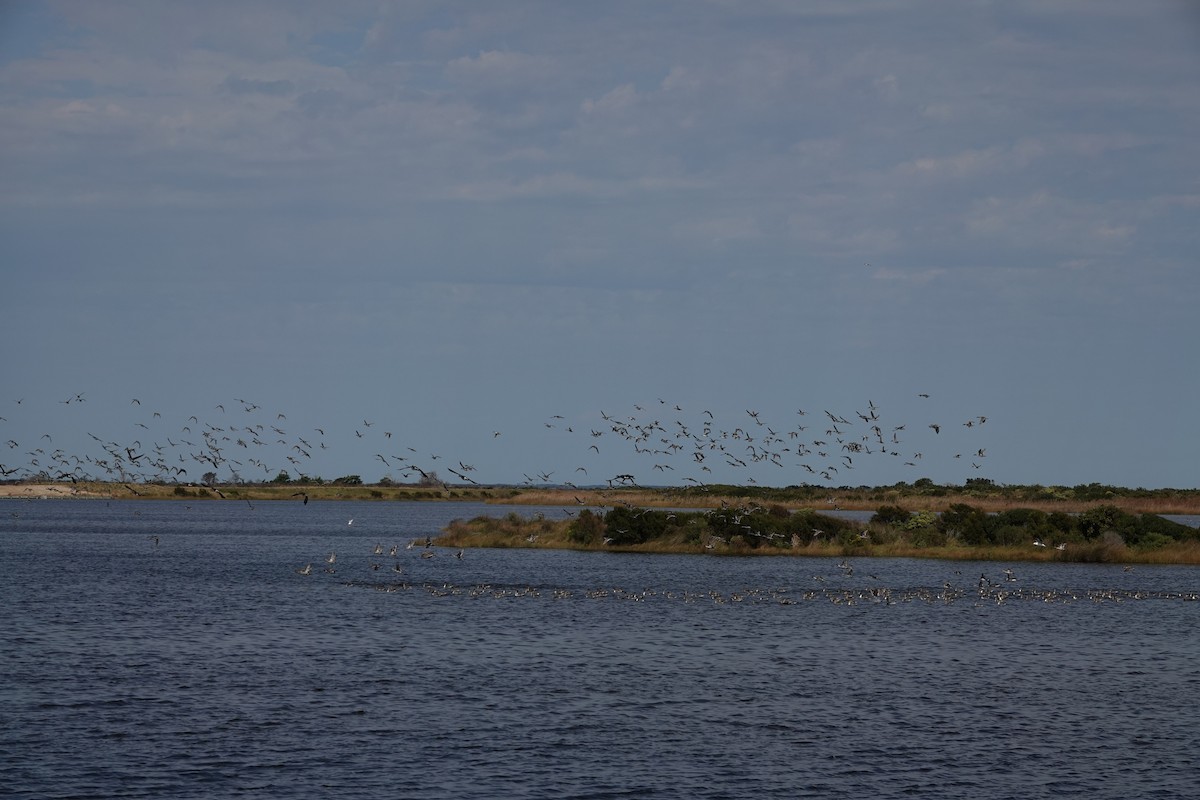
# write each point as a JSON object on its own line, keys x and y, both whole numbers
{"x": 511, "y": 530}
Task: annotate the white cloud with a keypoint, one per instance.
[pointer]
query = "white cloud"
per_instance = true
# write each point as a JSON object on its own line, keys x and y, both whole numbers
{"x": 496, "y": 67}
{"x": 718, "y": 230}
{"x": 73, "y": 109}
{"x": 979, "y": 161}
{"x": 554, "y": 184}
{"x": 995, "y": 215}
{"x": 614, "y": 102}
{"x": 564, "y": 184}
{"x": 888, "y": 87}
{"x": 1114, "y": 233}
{"x": 240, "y": 85}
{"x": 1049, "y": 223}
{"x": 918, "y": 276}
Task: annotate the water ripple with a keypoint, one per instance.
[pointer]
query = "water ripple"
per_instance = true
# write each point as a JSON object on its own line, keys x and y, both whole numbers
{"x": 206, "y": 667}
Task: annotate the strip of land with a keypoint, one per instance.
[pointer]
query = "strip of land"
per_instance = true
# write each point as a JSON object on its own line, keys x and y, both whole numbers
{"x": 983, "y": 522}
{"x": 911, "y": 497}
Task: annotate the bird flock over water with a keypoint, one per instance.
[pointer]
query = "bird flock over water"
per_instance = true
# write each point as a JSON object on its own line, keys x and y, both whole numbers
{"x": 242, "y": 441}
{"x": 376, "y": 562}
{"x": 656, "y": 444}
{"x": 822, "y": 446}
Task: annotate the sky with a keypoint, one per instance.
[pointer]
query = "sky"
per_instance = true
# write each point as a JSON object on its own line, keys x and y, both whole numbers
{"x": 565, "y": 242}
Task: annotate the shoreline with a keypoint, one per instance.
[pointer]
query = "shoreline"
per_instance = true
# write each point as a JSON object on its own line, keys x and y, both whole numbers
{"x": 554, "y": 535}
{"x": 1177, "y": 502}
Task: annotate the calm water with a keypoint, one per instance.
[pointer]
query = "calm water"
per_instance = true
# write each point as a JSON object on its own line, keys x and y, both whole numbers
{"x": 206, "y": 666}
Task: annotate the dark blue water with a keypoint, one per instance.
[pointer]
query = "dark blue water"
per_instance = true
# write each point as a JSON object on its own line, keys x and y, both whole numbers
{"x": 206, "y": 666}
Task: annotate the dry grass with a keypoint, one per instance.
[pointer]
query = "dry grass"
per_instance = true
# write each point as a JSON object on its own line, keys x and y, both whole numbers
{"x": 509, "y": 531}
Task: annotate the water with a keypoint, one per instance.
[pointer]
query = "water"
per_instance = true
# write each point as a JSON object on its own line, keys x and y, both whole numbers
{"x": 205, "y": 666}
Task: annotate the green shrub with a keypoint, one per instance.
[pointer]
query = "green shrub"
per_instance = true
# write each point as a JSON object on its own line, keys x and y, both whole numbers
{"x": 966, "y": 523}
{"x": 890, "y": 515}
{"x": 928, "y": 537}
{"x": 587, "y": 528}
{"x": 920, "y": 520}
{"x": 1152, "y": 524}
{"x": 1153, "y": 541}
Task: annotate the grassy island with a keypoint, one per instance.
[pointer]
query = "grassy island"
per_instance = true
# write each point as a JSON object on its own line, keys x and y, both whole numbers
{"x": 1104, "y": 534}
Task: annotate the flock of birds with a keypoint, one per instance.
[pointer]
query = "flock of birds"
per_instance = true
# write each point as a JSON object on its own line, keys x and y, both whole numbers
{"x": 240, "y": 441}
{"x": 823, "y": 446}
{"x": 835, "y": 586}
{"x": 233, "y": 442}
{"x": 375, "y": 565}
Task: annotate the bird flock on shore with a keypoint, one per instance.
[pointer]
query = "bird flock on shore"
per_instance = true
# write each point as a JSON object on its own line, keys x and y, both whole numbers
{"x": 656, "y": 443}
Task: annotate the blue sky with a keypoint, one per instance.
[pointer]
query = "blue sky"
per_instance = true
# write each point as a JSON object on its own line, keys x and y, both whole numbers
{"x": 453, "y": 219}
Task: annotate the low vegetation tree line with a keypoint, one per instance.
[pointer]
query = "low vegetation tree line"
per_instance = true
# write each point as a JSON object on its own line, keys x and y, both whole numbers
{"x": 971, "y": 526}
{"x": 751, "y": 527}
{"x": 774, "y": 526}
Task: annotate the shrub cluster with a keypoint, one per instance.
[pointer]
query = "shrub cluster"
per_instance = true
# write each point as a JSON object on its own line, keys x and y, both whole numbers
{"x": 749, "y": 527}
{"x": 972, "y": 526}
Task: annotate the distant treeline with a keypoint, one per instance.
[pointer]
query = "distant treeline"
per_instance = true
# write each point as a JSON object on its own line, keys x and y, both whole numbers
{"x": 921, "y": 495}
{"x": 925, "y": 487}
